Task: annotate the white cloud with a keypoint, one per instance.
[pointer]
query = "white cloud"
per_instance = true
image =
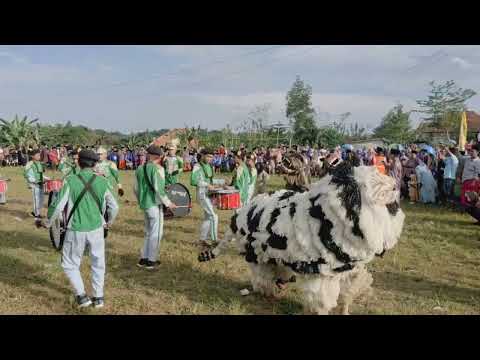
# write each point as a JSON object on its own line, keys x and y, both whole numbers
{"x": 461, "y": 62}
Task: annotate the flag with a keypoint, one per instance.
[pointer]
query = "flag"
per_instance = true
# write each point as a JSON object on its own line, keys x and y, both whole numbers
{"x": 462, "y": 138}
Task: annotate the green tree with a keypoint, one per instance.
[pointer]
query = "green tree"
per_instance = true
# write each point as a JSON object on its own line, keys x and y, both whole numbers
{"x": 330, "y": 137}
{"x": 444, "y": 99}
{"x": 19, "y": 132}
{"x": 395, "y": 126}
{"x": 300, "y": 112}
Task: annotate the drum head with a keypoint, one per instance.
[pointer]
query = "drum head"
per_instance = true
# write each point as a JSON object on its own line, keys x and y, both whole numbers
{"x": 180, "y": 196}
{"x": 57, "y": 232}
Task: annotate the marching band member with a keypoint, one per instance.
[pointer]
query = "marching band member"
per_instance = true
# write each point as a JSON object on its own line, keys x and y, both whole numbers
{"x": 69, "y": 165}
{"x": 252, "y": 171}
{"x": 109, "y": 170}
{"x": 87, "y": 196}
{"x": 173, "y": 165}
{"x": 33, "y": 173}
{"x": 149, "y": 188}
{"x": 202, "y": 179}
{"x": 241, "y": 178}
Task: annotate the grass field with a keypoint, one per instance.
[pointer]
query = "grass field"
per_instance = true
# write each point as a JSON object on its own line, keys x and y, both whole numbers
{"x": 433, "y": 270}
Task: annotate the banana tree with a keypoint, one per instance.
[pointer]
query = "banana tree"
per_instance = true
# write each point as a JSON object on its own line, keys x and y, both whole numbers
{"x": 20, "y": 132}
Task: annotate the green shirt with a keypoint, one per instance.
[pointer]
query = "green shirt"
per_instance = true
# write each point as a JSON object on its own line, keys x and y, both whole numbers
{"x": 33, "y": 172}
{"x": 108, "y": 169}
{"x": 241, "y": 181}
{"x": 202, "y": 175}
{"x": 173, "y": 166}
{"x": 145, "y": 196}
{"x": 87, "y": 216}
{"x": 68, "y": 167}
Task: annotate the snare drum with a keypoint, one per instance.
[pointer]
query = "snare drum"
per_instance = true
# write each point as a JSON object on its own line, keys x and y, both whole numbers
{"x": 52, "y": 186}
{"x": 3, "y": 191}
{"x": 226, "y": 199}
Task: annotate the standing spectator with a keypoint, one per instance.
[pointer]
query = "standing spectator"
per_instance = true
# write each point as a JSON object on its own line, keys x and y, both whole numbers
{"x": 44, "y": 155}
{"x": 369, "y": 157}
{"x": 440, "y": 175}
{"x": 142, "y": 157}
{"x": 262, "y": 178}
{"x": 395, "y": 169}
{"x": 53, "y": 158}
{"x": 122, "y": 161}
{"x": 451, "y": 164}
{"x": 379, "y": 161}
{"x": 470, "y": 171}
{"x": 187, "y": 165}
{"x": 427, "y": 184}
{"x": 217, "y": 162}
{"x": 222, "y": 150}
{"x": 2, "y": 157}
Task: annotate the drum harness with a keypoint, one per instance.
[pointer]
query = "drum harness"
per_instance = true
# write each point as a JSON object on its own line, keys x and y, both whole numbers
{"x": 41, "y": 174}
{"x": 87, "y": 188}
{"x": 147, "y": 179}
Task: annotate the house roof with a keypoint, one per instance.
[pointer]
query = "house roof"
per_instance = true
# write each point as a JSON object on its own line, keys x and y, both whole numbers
{"x": 473, "y": 124}
{"x": 473, "y": 121}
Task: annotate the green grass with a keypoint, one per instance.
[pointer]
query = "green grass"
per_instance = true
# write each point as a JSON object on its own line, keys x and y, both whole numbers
{"x": 435, "y": 264}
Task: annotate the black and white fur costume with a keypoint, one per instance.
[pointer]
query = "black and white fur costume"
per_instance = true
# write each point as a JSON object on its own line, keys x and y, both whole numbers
{"x": 323, "y": 237}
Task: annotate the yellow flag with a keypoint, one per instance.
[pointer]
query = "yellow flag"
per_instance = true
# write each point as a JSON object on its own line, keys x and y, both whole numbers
{"x": 462, "y": 138}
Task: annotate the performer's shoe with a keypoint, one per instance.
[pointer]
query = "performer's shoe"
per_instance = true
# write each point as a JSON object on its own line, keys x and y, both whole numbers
{"x": 83, "y": 301}
{"x": 151, "y": 265}
{"x": 98, "y": 302}
{"x": 142, "y": 263}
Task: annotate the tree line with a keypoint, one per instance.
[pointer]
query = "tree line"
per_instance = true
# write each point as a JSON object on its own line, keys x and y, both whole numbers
{"x": 441, "y": 109}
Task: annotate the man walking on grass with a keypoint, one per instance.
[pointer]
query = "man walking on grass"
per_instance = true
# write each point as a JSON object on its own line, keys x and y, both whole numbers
{"x": 87, "y": 197}
{"x": 149, "y": 189}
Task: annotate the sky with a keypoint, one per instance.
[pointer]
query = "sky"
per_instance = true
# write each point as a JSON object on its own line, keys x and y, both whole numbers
{"x": 134, "y": 88}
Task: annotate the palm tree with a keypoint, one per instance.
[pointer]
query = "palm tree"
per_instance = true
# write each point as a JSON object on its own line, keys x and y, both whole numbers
{"x": 20, "y": 132}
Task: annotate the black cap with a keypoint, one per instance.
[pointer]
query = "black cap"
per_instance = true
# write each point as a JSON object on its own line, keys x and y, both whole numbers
{"x": 155, "y": 150}
{"x": 206, "y": 151}
{"x": 88, "y": 155}
{"x": 34, "y": 152}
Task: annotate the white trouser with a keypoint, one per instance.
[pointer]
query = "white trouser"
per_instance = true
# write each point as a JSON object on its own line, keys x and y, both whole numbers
{"x": 210, "y": 223}
{"x": 37, "y": 194}
{"x": 153, "y": 232}
{"x": 251, "y": 192}
{"x": 73, "y": 249}
{"x": 3, "y": 198}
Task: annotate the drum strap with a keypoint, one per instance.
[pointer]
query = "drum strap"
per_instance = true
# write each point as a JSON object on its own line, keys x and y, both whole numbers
{"x": 147, "y": 179}
{"x": 87, "y": 187}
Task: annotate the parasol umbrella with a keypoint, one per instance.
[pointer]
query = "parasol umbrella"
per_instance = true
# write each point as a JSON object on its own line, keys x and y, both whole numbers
{"x": 429, "y": 149}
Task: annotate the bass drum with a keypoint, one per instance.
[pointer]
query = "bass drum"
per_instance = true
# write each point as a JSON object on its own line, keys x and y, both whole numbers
{"x": 57, "y": 231}
{"x": 180, "y": 196}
